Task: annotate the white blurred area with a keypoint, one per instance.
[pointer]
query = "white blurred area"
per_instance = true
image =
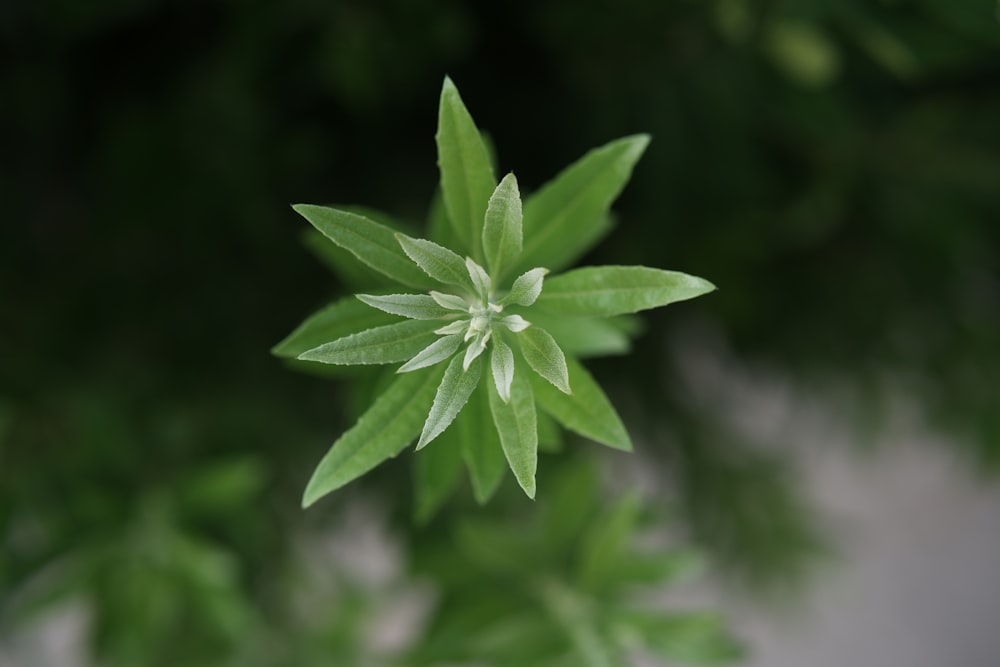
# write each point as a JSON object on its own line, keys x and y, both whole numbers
{"x": 915, "y": 577}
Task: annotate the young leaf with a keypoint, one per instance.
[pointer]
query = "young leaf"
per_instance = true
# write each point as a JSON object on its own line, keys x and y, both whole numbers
{"x": 415, "y": 306}
{"x": 569, "y": 214}
{"x": 480, "y": 444}
{"x": 452, "y": 395}
{"x": 336, "y": 320}
{"x": 381, "y": 345}
{"x": 600, "y": 291}
{"x": 391, "y": 423}
{"x": 502, "y": 228}
{"x": 526, "y": 288}
{"x": 370, "y": 242}
{"x": 434, "y": 353}
{"x": 502, "y": 367}
{"x": 516, "y": 423}
{"x": 587, "y": 411}
{"x": 437, "y": 261}
{"x": 467, "y": 179}
{"x": 543, "y": 354}
{"x": 436, "y": 475}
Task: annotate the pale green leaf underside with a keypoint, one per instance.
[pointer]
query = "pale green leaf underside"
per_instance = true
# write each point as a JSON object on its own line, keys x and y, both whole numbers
{"x": 587, "y": 411}
{"x": 415, "y": 306}
{"x": 569, "y": 214}
{"x": 381, "y": 345}
{"x": 502, "y": 235}
{"x": 384, "y": 430}
{"x": 452, "y": 394}
{"x": 339, "y": 319}
{"x": 372, "y": 243}
{"x": 438, "y": 262}
{"x": 601, "y": 291}
{"x": 467, "y": 179}
{"x": 542, "y": 353}
{"x": 480, "y": 443}
{"x": 516, "y": 423}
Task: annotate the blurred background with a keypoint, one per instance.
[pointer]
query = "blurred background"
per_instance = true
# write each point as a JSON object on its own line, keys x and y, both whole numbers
{"x": 833, "y": 166}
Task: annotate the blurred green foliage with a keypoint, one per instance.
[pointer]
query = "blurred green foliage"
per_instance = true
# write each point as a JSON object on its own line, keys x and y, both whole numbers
{"x": 832, "y": 166}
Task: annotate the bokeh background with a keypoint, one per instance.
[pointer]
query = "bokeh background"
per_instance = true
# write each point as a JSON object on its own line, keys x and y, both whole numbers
{"x": 833, "y": 166}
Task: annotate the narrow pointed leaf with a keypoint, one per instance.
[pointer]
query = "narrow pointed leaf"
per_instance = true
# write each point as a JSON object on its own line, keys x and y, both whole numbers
{"x": 437, "y": 471}
{"x": 336, "y": 320}
{"x": 570, "y": 213}
{"x": 527, "y": 287}
{"x": 518, "y": 428}
{"x": 467, "y": 179}
{"x": 372, "y": 243}
{"x": 601, "y": 291}
{"x": 481, "y": 446}
{"x": 381, "y": 345}
{"x": 480, "y": 279}
{"x": 544, "y": 356}
{"x": 437, "y": 261}
{"x": 414, "y": 306}
{"x": 502, "y": 367}
{"x": 502, "y": 234}
{"x": 384, "y": 430}
{"x": 587, "y": 411}
{"x": 452, "y": 394}
{"x": 434, "y": 353}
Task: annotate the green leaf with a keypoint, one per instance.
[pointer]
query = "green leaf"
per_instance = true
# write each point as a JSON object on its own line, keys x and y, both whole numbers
{"x": 570, "y": 213}
{"x": 481, "y": 446}
{"x": 542, "y": 353}
{"x": 384, "y": 430}
{"x": 601, "y": 291}
{"x": 437, "y": 472}
{"x": 607, "y": 542}
{"x": 526, "y": 288}
{"x": 587, "y": 411}
{"x": 372, "y": 243}
{"x": 467, "y": 179}
{"x": 437, "y": 261}
{"x": 586, "y": 336}
{"x": 550, "y": 435}
{"x": 336, "y": 320}
{"x": 452, "y": 394}
{"x": 415, "y": 306}
{"x": 434, "y": 353}
{"x": 381, "y": 345}
{"x": 502, "y": 236}
{"x": 518, "y": 428}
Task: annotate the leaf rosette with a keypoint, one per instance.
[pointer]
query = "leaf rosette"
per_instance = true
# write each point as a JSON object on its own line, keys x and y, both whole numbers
{"x": 487, "y": 341}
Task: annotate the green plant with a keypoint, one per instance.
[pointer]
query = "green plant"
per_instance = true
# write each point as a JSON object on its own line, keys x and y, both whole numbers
{"x": 533, "y": 326}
